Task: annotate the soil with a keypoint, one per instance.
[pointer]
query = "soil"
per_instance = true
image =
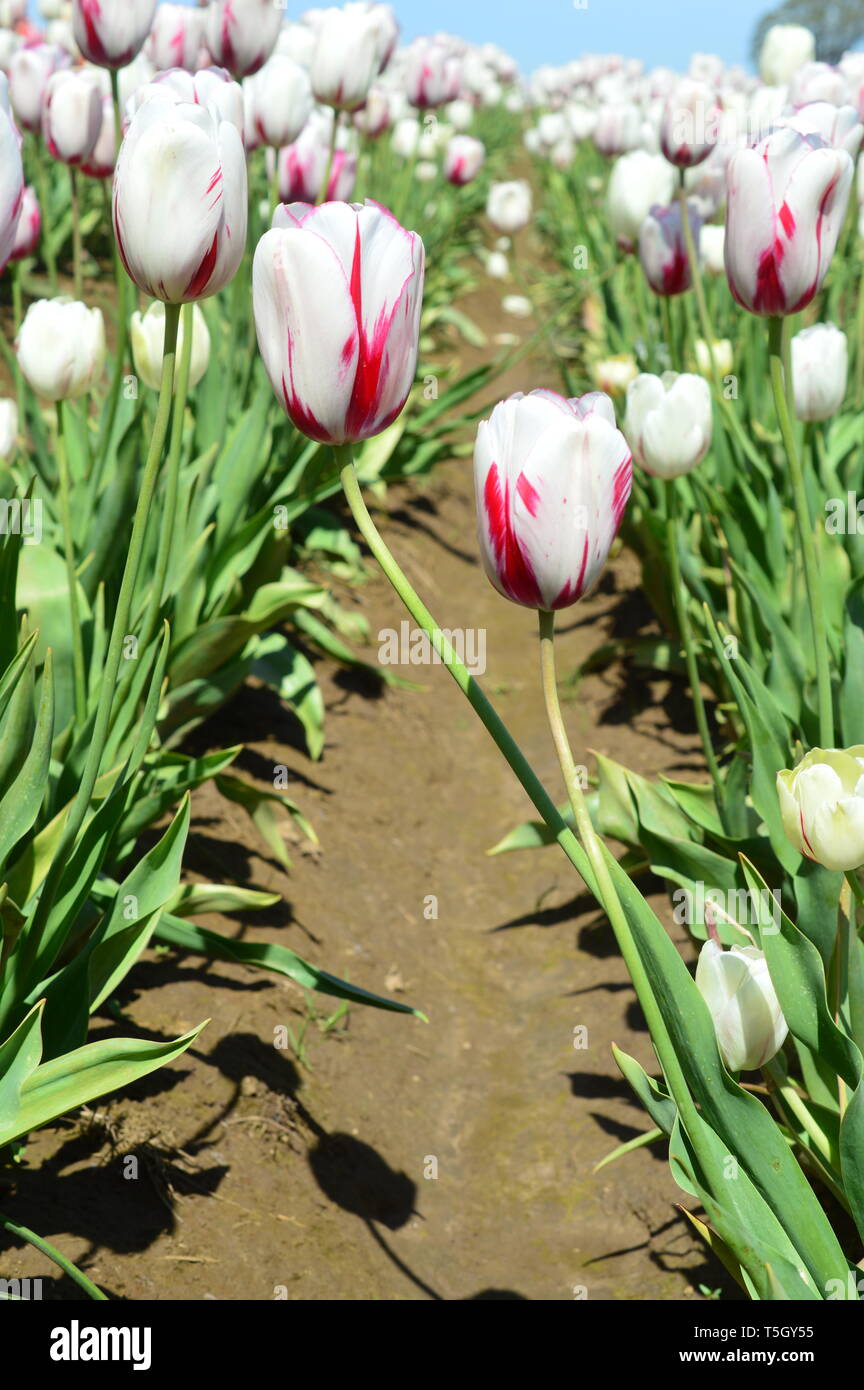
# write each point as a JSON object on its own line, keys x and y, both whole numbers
{"x": 393, "y": 1159}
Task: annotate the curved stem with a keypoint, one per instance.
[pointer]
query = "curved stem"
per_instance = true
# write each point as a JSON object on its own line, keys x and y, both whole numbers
{"x": 74, "y": 1273}
{"x": 71, "y": 575}
{"x": 680, "y": 597}
{"x": 781, "y": 383}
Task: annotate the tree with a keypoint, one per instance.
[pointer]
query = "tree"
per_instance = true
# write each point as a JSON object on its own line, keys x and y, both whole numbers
{"x": 836, "y": 25}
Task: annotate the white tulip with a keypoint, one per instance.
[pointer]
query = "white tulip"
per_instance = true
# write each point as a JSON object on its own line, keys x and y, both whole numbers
{"x": 711, "y": 248}
{"x": 785, "y": 48}
{"x": 8, "y": 429}
{"x": 822, "y": 805}
{"x": 147, "y": 332}
{"x": 638, "y": 182}
{"x": 819, "y": 366}
{"x": 61, "y": 348}
{"x": 743, "y": 1003}
{"x": 509, "y": 206}
{"x": 668, "y": 422}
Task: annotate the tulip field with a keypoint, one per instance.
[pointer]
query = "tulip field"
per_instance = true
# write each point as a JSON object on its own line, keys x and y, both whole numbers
{"x": 431, "y": 663}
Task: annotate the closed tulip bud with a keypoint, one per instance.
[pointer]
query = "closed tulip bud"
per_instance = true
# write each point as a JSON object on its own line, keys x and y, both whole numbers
{"x": 720, "y": 350}
{"x": 180, "y": 201}
{"x": 552, "y": 478}
{"x": 822, "y": 806}
{"x": 111, "y": 33}
{"x": 337, "y": 294}
{"x": 72, "y": 115}
{"x": 303, "y": 165}
{"x": 100, "y": 164}
{"x": 376, "y": 116}
{"x": 743, "y": 1004}
{"x": 61, "y": 348}
{"x": 689, "y": 124}
{"x": 8, "y": 430}
{"x": 11, "y": 186}
{"x": 786, "y": 203}
{"x": 638, "y": 181}
{"x": 432, "y": 74}
{"x": 618, "y": 128}
{"x": 614, "y": 374}
{"x": 29, "y": 74}
{"x": 29, "y": 227}
{"x": 463, "y": 159}
{"x": 509, "y": 206}
{"x": 663, "y": 251}
{"x": 279, "y": 101}
{"x": 711, "y": 249}
{"x": 819, "y": 365}
{"x": 177, "y": 37}
{"x": 347, "y": 57}
{"x": 147, "y": 333}
{"x": 785, "y": 48}
{"x": 668, "y": 422}
{"x": 241, "y": 34}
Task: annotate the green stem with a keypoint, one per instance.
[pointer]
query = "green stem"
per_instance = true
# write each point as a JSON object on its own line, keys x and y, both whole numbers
{"x": 275, "y": 194}
{"x": 77, "y": 250}
{"x": 45, "y": 210}
{"x": 780, "y": 382}
{"x": 26, "y": 955}
{"x": 74, "y": 1273}
{"x": 71, "y": 575}
{"x": 596, "y": 866}
{"x": 680, "y": 597}
{"x": 172, "y": 482}
{"x": 121, "y": 283}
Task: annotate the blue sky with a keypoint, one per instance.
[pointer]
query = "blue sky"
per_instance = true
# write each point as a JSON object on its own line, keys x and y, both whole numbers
{"x": 552, "y": 31}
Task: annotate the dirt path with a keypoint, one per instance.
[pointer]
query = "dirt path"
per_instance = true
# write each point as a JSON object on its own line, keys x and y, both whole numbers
{"x": 240, "y": 1173}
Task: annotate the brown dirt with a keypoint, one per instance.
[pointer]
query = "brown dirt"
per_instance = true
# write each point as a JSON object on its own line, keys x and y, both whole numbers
{"x": 240, "y": 1172}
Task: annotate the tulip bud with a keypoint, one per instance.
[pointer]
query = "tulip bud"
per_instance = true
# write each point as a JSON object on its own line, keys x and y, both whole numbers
{"x": 279, "y": 101}
{"x": 720, "y": 350}
{"x": 100, "y": 163}
{"x": 72, "y": 115}
{"x": 509, "y": 206}
{"x": 638, "y": 181}
{"x": 743, "y": 1003}
{"x": 711, "y": 249}
{"x": 29, "y": 227}
{"x": 147, "y": 333}
{"x": 111, "y": 33}
{"x": 822, "y": 805}
{"x": 819, "y": 364}
{"x": 785, "y": 48}
{"x": 614, "y": 374}
{"x": 61, "y": 348}
{"x": 377, "y": 115}
{"x": 29, "y": 73}
{"x": 241, "y": 34}
{"x": 552, "y": 478}
{"x": 11, "y": 186}
{"x": 431, "y": 74}
{"x": 8, "y": 429}
{"x": 463, "y": 159}
{"x": 668, "y": 422}
{"x": 337, "y": 294}
{"x": 786, "y": 203}
{"x": 176, "y": 38}
{"x": 689, "y": 124}
{"x": 662, "y": 249}
{"x": 303, "y": 165}
{"x": 618, "y": 128}
{"x": 347, "y": 57}
{"x": 180, "y": 201}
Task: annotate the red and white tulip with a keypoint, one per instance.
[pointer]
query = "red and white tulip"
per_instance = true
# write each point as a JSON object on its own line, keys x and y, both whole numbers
{"x": 111, "y": 33}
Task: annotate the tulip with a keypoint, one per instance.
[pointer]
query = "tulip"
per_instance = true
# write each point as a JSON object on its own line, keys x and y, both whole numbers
{"x": 497, "y": 265}
{"x": 786, "y": 203}
{"x": 11, "y": 186}
{"x": 638, "y": 181}
{"x": 8, "y": 429}
{"x": 241, "y": 34}
{"x": 509, "y": 206}
{"x": 111, "y": 33}
{"x": 618, "y": 129}
{"x": 720, "y": 350}
{"x": 72, "y": 115}
{"x": 100, "y": 163}
{"x": 377, "y": 115}
{"x": 279, "y": 101}
{"x": 337, "y": 294}
{"x": 463, "y": 159}
{"x": 663, "y": 250}
{"x": 822, "y": 806}
{"x": 839, "y": 126}
{"x": 29, "y": 227}
{"x": 743, "y": 1003}
{"x": 668, "y": 422}
{"x": 552, "y": 478}
{"x": 177, "y": 37}
{"x": 785, "y": 48}
{"x": 29, "y": 73}
{"x": 689, "y": 124}
{"x": 431, "y": 74}
{"x": 711, "y": 249}
{"x": 614, "y": 374}
{"x": 180, "y": 201}
{"x": 819, "y": 364}
{"x": 303, "y": 165}
{"x": 147, "y": 333}
{"x": 61, "y": 348}
{"x": 209, "y": 87}
{"x": 817, "y": 82}
{"x": 347, "y": 57}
